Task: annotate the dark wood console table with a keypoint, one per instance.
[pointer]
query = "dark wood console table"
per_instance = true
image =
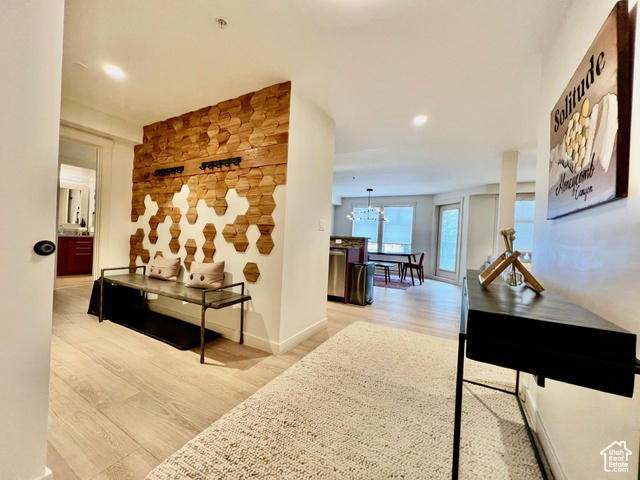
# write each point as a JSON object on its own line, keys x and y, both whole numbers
{"x": 215, "y": 298}
{"x": 542, "y": 334}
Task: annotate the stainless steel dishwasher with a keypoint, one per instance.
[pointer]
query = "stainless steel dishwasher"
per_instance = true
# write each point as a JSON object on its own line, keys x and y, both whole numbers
{"x": 337, "y": 272}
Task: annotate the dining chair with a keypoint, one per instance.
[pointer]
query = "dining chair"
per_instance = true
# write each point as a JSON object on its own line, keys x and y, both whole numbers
{"x": 418, "y": 267}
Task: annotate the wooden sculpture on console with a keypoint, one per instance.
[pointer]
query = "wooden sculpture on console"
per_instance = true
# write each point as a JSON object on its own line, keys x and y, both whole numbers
{"x": 509, "y": 258}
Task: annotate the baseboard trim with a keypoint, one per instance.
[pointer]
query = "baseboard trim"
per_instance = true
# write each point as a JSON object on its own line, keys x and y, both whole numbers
{"x": 48, "y": 475}
{"x": 299, "y": 337}
{"x": 442, "y": 279}
{"x": 549, "y": 451}
{"x": 529, "y": 406}
{"x": 543, "y": 437}
{"x": 226, "y": 332}
{"x": 259, "y": 343}
{"x": 250, "y": 340}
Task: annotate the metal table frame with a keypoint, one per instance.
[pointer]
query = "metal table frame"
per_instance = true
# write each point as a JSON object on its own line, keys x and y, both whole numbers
{"x": 462, "y": 339}
{"x": 202, "y": 300}
{"x": 525, "y": 313}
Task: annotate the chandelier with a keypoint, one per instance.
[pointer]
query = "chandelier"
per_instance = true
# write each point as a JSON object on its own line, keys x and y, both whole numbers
{"x": 370, "y": 213}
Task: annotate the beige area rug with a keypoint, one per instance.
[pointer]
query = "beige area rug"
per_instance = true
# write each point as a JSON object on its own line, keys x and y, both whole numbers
{"x": 370, "y": 403}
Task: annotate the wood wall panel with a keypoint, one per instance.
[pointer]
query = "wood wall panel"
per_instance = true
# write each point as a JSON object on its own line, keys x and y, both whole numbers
{"x": 251, "y": 272}
{"x": 254, "y": 127}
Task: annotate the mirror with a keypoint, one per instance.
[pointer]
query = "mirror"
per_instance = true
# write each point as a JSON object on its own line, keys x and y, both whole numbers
{"x": 76, "y": 199}
{"x": 70, "y": 206}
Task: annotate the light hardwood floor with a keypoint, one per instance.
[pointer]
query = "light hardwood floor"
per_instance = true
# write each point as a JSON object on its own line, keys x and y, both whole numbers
{"x": 73, "y": 281}
{"x": 121, "y": 402}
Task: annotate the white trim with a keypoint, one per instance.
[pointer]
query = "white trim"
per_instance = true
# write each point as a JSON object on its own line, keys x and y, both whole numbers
{"x": 447, "y": 201}
{"x": 103, "y": 186}
{"x": 260, "y": 343}
{"x": 459, "y": 268}
{"x": 48, "y": 475}
{"x": 541, "y": 433}
{"x": 299, "y": 337}
{"x": 549, "y": 451}
{"x": 381, "y": 205}
{"x": 250, "y": 340}
{"x": 435, "y": 227}
{"x": 224, "y": 331}
{"x": 441, "y": 279}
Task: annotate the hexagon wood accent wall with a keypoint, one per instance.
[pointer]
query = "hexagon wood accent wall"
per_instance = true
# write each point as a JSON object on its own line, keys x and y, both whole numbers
{"x": 254, "y": 127}
{"x": 251, "y": 272}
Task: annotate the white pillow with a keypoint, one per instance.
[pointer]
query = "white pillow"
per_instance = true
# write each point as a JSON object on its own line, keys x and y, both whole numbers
{"x": 206, "y": 275}
{"x": 165, "y": 268}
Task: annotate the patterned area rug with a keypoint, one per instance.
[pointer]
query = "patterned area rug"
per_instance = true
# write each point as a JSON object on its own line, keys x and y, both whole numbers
{"x": 378, "y": 281}
{"x": 372, "y": 402}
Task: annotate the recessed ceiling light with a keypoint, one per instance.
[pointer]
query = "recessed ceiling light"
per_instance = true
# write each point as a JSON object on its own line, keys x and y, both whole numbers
{"x": 114, "y": 72}
{"x": 419, "y": 120}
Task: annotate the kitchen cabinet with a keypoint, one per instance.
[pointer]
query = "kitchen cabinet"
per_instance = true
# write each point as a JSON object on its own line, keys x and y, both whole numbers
{"x": 75, "y": 255}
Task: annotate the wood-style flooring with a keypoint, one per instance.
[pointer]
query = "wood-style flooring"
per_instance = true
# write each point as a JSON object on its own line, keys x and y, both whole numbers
{"x": 121, "y": 402}
{"x": 73, "y": 281}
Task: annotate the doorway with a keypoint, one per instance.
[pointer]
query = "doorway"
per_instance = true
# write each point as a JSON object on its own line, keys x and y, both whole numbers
{"x": 76, "y": 213}
{"x": 448, "y": 250}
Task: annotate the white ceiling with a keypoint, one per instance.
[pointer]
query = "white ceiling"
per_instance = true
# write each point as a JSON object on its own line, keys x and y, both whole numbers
{"x": 472, "y": 66}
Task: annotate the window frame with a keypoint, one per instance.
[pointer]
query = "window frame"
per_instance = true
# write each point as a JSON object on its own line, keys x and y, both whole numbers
{"x": 382, "y": 206}
{"x": 526, "y": 197}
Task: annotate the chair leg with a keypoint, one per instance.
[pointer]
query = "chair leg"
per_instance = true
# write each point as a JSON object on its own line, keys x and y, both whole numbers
{"x": 421, "y": 275}
{"x": 412, "y": 280}
{"x": 386, "y": 275}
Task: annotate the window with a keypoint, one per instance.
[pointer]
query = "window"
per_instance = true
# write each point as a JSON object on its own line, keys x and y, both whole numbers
{"x": 447, "y": 265}
{"x": 367, "y": 229}
{"x": 523, "y": 225}
{"x": 396, "y": 233}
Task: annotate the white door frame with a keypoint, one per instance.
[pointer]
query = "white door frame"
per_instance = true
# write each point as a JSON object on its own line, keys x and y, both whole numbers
{"x": 104, "y": 148}
{"x": 446, "y": 274}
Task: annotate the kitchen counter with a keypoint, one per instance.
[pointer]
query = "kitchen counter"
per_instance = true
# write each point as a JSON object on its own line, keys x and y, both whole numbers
{"x": 360, "y": 243}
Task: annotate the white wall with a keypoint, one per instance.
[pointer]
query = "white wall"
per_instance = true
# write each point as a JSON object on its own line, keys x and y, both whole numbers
{"x": 30, "y": 73}
{"x": 592, "y": 257}
{"x": 478, "y": 223}
{"x": 289, "y": 299}
{"x": 90, "y": 120}
{"x": 477, "y": 216}
{"x": 481, "y": 231}
{"x": 263, "y": 312}
{"x": 305, "y": 266}
{"x": 422, "y": 220}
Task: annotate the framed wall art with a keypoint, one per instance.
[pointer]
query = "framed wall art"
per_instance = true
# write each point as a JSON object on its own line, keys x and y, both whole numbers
{"x": 590, "y": 124}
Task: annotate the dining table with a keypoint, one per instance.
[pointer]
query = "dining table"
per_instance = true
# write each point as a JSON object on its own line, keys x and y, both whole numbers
{"x": 411, "y": 258}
